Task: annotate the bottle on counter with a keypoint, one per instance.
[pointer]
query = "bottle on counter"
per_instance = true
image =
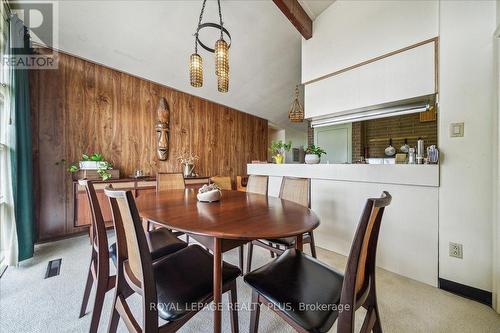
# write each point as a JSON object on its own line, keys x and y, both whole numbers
{"x": 420, "y": 151}
{"x": 411, "y": 156}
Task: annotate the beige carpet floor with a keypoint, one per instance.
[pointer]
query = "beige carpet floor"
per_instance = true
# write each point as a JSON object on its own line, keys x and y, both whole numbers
{"x": 30, "y": 303}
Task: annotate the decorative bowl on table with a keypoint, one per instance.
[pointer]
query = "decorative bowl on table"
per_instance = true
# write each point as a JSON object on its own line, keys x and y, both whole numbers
{"x": 209, "y": 193}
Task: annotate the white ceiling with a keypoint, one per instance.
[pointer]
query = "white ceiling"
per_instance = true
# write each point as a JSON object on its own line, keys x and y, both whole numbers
{"x": 153, "y": 40}
{"x": 315, "y": 7}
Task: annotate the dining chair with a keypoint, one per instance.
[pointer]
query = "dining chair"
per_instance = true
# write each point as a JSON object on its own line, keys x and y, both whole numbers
{"x": 241, "y": 183}
{"x": 169, "y": 181}
{"x": 224, "y": 182}
{"x": 311, "y": 296}
{"x": 297, "y": 190}
{"x": 257, "y": 184}
{"x": 160, "y": 243}
{"x": 173, "y": 288}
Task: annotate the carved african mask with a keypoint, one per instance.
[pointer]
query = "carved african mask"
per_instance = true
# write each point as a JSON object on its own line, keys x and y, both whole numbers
{"x": 162, "y": 129}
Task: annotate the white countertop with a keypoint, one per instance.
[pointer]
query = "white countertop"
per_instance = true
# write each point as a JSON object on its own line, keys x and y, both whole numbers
{"x": 401, "y": 174}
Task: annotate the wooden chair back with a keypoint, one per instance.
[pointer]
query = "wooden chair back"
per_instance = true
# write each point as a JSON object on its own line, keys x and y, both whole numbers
{"x": 359, "y": 278}
{"x": 134, "y": 262}
{"x": 257, "y": 184}
{"x": 169, "y": 181}
{"x": 241, "y": 183}
{"x": 98, "y": 234}
{"x": 297, "y": 190}
{"x": 224, "y": 182}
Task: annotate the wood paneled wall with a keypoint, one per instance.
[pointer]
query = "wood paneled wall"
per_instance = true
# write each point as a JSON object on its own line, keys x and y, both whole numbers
{"x": 86, "y": 107}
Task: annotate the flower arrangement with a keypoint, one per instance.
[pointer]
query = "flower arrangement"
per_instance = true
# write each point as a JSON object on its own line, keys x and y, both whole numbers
{"x": 209, "y": 193}
{"x": 187, "y": 158}
{"x": 278, "y": 148}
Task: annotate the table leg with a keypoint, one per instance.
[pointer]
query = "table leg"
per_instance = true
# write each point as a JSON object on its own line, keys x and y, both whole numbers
{"x": 217, "y": 284}
{"x": 299, "y": 243}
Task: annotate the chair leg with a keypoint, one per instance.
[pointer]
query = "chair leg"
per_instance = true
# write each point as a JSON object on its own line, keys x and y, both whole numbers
{"x": 272, "y": 253}
{"x": 102, "y": 288}
{"x": 249, "y": 257}
{"x": 115, "y": 316}
{"x": 234, "y": 311}
{"x": 241, "y": 258}
{"x": 377, "y": 327}
{"x": 254, "y": 313}
{"x": 88, "y": 289}
{"x": 312, "y": 244}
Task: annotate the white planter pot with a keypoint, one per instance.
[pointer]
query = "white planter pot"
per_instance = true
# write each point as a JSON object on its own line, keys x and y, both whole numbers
{"x": 210, "y": 196}
{"x": 91, "y": 165}
{"x": 312, "y": 159}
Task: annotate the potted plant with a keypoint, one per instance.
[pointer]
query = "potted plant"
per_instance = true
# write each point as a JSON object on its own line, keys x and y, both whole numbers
{"x": 313, "y": 154}
{"x": 278, "y": 149}
{"x": 93, "y": 162}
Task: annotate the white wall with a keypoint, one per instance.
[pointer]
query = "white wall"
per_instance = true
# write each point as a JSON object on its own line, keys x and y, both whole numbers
{"x": 496, "y": 205}
{"x": 467, "y": 95}
{"x": 298, "y": 138}
{"x": 350, "y": 32}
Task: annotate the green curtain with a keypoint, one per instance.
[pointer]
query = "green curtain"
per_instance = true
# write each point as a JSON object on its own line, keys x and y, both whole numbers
{"x": 21, "y": 158}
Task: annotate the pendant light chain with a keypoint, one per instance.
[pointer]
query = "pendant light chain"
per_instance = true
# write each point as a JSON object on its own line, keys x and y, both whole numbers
{"x": 220, "y": 20}
{"x": 198, "y": 27}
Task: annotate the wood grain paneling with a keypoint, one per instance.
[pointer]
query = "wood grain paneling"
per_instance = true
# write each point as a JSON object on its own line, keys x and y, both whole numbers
{"x": 86, "y": 107}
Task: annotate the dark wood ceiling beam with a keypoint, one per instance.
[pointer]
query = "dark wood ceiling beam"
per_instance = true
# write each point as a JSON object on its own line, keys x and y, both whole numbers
{"x": 297, "y": 15}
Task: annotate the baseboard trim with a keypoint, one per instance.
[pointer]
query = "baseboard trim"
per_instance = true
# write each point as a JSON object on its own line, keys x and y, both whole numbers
{"x": 463, "y": 290}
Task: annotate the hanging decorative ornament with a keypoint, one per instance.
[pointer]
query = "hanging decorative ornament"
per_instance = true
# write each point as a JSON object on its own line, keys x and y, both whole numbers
{"x": 221, "y": 57}
{"x": 296, "y": 113}
{"x": 223, "y": 83}
{"x": 221, "y": 51}
{"x": 196, "y": 70}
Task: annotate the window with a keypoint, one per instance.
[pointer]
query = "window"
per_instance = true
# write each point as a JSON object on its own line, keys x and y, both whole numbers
{"x": 4, "y": 124}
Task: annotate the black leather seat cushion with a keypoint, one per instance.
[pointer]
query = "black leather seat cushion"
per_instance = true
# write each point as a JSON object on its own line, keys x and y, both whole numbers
{"x": 161, "y": 242}
{"x": 289, "y": 241}
{"x": 296, "y": 278}
{"x": 185, "y": 278}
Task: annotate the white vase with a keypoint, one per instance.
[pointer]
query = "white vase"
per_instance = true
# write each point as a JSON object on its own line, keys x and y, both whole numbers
{"x": 209, "y": 196}
{"x": 312, "y": 159}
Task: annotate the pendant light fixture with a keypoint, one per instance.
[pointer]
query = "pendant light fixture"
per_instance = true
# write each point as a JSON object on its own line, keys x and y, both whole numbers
{"x": 221, "y": 51}
{"x": 196, "y": 61}
{"x": 296, "y": 113}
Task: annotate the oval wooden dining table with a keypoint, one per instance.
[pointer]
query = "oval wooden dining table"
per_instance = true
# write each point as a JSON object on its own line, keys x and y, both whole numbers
{"x": 236, "y": 219}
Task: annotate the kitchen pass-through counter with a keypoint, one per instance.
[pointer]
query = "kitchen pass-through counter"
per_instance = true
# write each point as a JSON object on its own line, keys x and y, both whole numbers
{"x": 408, "y": 243}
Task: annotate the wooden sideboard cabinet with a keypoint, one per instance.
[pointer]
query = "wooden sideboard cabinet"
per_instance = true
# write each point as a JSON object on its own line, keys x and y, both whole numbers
{"x": 82, "y": 214}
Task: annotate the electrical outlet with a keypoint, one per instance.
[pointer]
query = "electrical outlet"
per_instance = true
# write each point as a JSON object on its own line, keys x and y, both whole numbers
{"x": 456, "y": 250}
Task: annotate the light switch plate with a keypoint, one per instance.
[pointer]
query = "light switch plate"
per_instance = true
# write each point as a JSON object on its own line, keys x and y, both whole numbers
{"x": 456, "y": 130}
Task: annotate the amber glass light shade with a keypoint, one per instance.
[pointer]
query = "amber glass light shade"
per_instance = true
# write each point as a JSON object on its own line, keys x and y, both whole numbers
{"x": 196, "y": 70}
{"x": 223, "y": 82}
{"x": 221, "y": 57}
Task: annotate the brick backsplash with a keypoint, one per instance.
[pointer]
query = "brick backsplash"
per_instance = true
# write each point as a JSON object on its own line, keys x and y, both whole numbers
{"x": 375, "y": 134}
{"x": 310, "y": 135}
